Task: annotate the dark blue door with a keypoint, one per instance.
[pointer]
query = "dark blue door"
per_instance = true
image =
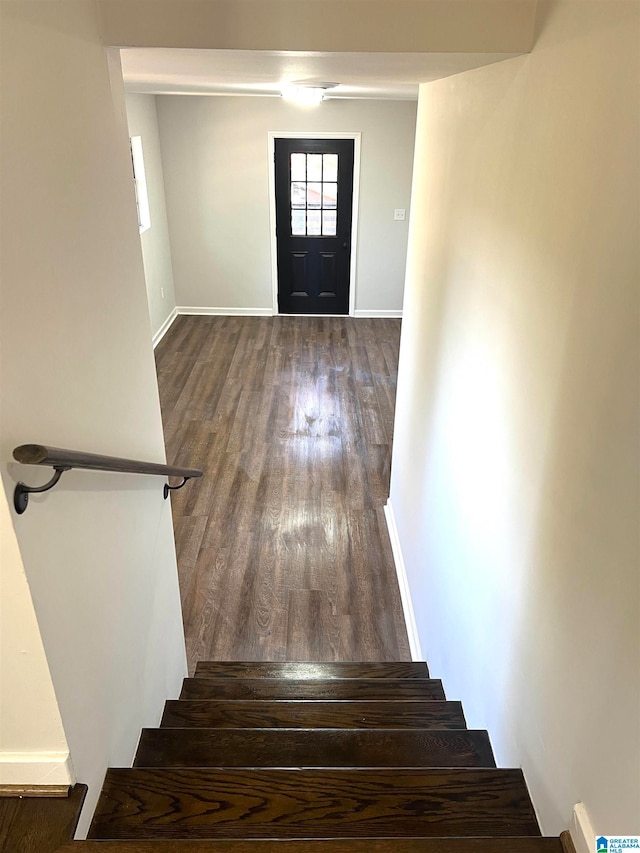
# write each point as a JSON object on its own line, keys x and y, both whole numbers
{"x": 314, "y": 195}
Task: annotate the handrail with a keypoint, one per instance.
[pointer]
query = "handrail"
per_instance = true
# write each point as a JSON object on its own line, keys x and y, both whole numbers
{"x": 64, "y": 460}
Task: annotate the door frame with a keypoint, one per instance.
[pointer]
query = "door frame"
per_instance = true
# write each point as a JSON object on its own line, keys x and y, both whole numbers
{"x": 317, "y": 134}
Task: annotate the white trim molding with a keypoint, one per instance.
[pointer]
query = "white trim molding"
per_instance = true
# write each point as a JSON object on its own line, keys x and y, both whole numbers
{"x": 208, "y": 311}
{"x": 164, "y": 328}
{"x": 581, "y": 830}
{"x": 272, "y": 135}
{"x": 403, "y": 583}
{"x": 375, "y": 312}
{"x": 222, "y": 312}
{"x": 35, "y": 769}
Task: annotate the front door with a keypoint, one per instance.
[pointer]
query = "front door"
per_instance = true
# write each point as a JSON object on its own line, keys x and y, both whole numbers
{"x": 314, "y": 192}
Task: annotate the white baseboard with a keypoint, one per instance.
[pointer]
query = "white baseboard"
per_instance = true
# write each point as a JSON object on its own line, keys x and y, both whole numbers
{"x": 581, "y": 831}
{"x": 222, "y": 312}
{"x": 374, "y": 312}
{"x": 164, "y": 328}
{"x": 35, "y": 769}
{"x": 263, "y": 312}
{"x": 403, "y": 583}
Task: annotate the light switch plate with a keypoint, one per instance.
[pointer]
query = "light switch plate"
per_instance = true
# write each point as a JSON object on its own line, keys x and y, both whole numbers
{"x": 399, "y": 213}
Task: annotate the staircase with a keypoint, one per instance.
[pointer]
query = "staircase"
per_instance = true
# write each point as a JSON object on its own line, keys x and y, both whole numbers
{"x": 314, "y": 757}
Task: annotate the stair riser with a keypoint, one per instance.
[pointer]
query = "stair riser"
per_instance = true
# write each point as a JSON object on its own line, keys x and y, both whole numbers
{"x": 337, "y": 689}
{"x": 354, "y": 845}
{"x": 430, "y": 714}
{"x": 312, "y": 748}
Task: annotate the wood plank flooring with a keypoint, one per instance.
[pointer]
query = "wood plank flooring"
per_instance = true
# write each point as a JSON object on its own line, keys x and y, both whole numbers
{"x": 283, "y": 552}
{"x": 39, "y": 824}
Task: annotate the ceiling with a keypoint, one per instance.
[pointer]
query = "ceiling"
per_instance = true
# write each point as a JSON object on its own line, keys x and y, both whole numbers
{"x": 260, "y": 72}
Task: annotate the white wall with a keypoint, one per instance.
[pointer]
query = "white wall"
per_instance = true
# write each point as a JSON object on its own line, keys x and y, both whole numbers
{"x": 216, "y": 166}
{"x": 33, "y": 746}
{"x": 515, "y": 465}
{"x": 156, "y": 253}
{"x": 78, "y": 372}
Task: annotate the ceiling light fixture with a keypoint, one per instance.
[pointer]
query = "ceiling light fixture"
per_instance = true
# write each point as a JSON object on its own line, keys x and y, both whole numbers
{"x": 306, "y": 95}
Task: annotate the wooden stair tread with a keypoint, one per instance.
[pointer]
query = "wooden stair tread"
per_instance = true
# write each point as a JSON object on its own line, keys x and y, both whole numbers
{"x": 201, "y": 803}
{"x": 310, "y": 669}
{"x": 347, "y": 845}
{"x": 288, "y": 713}
{"x": 337, "y": 688}
{"x": 189, "y": 747}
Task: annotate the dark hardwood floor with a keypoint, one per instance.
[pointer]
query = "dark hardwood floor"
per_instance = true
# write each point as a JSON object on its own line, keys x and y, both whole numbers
{"x": 39, "y": 824}
{"x": 283, "y": 551}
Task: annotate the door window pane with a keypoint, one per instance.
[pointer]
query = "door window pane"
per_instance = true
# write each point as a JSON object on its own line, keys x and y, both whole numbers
{"x": 314, "y": 195}
{"x": 314, "y": 224}
{"x": 329, "y": 223}
{"x": 298, "y": 194}
{"x": 314, "y": 167}
{"x": 330, "y": 167}
{"x": 330, "y": 195}
{"x": 298, "y": 223}
{"x": 298, "y": 167}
